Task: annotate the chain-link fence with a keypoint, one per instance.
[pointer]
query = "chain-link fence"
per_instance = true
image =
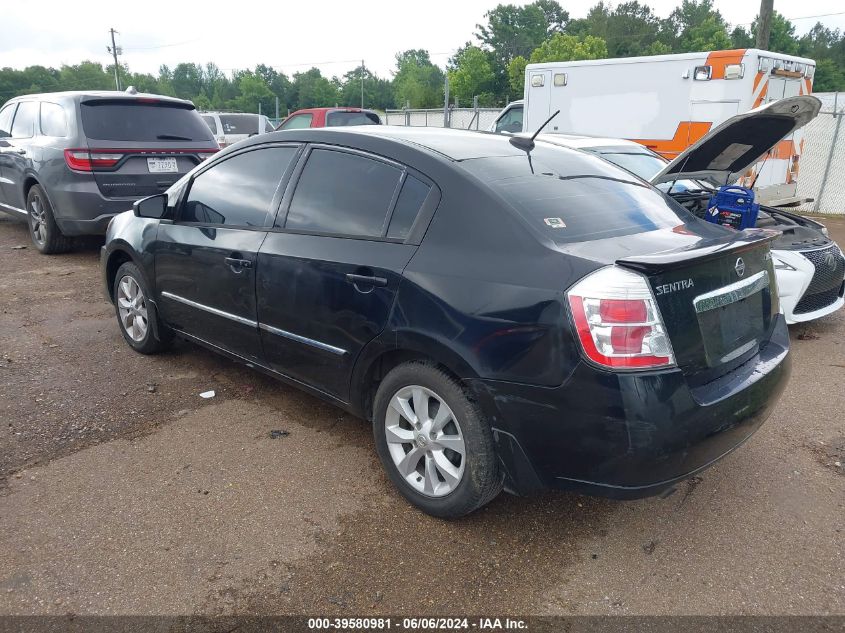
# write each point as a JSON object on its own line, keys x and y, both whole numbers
{"x": 458, "y": 118}
{"x": 822, "y": 168}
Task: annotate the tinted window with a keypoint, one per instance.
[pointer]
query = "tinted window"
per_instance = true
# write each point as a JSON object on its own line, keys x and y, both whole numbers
{"x": 344, "y": 194}
{"x": 24, "y": 124}
{"x": 268, "y": 126}
{"x": 297, "y": 122}
{"x": 238, "y": 191}
{"x": 582, "y": 197}
{"x": 53, "y": 120}
{"x": 211, "y": 122}
{"x": 6, "y": 119}
{"x": 130, "y": 120}
{"x": 240, "y": 123}
{"x": 411, "y": 198}
{"x": 337, "y": 119}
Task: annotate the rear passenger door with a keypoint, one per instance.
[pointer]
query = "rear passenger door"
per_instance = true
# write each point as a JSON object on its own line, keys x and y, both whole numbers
{"x": 329, "y": 270}
{"x": 205, "y": 260}
{"x": 17, "y": 153}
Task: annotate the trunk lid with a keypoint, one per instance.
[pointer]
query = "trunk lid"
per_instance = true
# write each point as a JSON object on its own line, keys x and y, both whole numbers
{"x": 717, "y": 298}
{"x": 737, "y": 144}
{"x": 140, "y": 146}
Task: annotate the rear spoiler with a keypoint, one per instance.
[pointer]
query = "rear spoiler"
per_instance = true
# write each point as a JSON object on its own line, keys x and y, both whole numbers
{"x": 657, "y": 263}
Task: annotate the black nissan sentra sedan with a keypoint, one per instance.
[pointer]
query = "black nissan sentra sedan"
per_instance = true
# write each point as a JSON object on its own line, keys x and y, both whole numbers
{"x": 504, "y": 315}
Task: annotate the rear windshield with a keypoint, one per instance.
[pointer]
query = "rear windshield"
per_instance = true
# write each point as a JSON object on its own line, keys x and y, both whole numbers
{"x": 573, "y": 197}
{"x": 337, "y": 119}
{"x": 646, "y": 166}
{"x": 241, "y": 124}
{"x": 129, "y": 120}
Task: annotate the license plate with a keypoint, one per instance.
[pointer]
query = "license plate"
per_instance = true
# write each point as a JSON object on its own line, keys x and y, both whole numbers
{"x": 162, "y": 165}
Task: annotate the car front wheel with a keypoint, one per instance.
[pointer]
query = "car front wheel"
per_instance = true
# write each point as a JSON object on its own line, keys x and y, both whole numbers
{"x": 433, "y": 441}
{"x": 135, "y": 313}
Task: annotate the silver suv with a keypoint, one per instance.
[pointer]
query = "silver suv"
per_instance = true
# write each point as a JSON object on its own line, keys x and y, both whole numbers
{"x": 69, "y": 161}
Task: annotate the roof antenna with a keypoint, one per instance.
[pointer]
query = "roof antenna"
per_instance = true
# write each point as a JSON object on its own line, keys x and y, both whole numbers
{"x": 527, "y": 144}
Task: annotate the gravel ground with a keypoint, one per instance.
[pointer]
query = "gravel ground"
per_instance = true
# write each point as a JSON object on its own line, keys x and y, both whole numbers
{"x": 124, "y": 492}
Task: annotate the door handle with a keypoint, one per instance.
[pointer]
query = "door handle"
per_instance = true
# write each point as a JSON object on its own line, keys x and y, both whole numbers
{"x": 237, "y": 264}
{"x": 365, "y": 280}
{"x": 20, "y": 151}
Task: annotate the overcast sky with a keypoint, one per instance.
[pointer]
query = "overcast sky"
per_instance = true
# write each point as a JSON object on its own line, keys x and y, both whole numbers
{"x": 290, "y": 36}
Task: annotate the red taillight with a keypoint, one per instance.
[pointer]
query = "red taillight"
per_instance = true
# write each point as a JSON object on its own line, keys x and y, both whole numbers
{"x": 618, "y": 322}
{"x": 84, "y": 160}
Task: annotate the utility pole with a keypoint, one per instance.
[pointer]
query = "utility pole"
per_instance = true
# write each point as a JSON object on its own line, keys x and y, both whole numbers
{"x": 764, "y": 23}
{"x": 362, "y": 84}
{"x": 446, "y": 101}
{"x": 115, "y": 51}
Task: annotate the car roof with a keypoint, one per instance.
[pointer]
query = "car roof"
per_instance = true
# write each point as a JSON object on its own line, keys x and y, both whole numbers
{"x": 218, "y": 112}
{"x": 453, "y": 144}
{"x": 331, "y": 109}
{"x": 100, "y": 94}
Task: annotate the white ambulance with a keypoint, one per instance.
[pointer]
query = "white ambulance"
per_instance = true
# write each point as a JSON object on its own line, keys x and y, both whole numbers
{"x": 668, "y": 102}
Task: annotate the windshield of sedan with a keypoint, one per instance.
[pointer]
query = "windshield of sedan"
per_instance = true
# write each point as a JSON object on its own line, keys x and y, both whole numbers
{"x": 573, "y": 197}
{"x": 645, "y": 165}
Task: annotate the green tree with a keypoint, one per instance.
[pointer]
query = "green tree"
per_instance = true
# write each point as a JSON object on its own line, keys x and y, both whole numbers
{"x": 417, "y": 81}
{"x": 629, "y": 29}
{"x": 741, "y": 38}
{"x": 254, "y": 91}
{"x": 781, "y": 34}
{"x": 829, "y": 76}
{"x": 695, "y": 26}
{"x": 516, "y": 75}
{"x": 472, "y": 75}
{"x": 312, "y": 90}
{"x": 187, "y": 80}
{"x": 512, "y": 30}
{"x": 378, "y": 93}
{"x": 86, "y": 75}
{"x": 563, "y": 48}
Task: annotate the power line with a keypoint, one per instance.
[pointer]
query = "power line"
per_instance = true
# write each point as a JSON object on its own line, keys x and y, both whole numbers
{"x": 149, "y": 48}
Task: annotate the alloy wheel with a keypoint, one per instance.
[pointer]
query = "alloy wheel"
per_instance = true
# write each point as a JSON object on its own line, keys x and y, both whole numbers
{"x": 38, "y": 220}
{"x": 132, "y": 307}
{"x": 425, "y": 441}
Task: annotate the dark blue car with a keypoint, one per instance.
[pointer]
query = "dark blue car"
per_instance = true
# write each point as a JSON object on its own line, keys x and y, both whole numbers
{"x": 505, "y": 315}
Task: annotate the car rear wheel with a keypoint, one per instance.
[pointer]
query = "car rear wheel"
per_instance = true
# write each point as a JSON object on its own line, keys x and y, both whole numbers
{"x": 433, "y": 441}
{"x": 135, "y": 313}
{"x": 45, "y": 233}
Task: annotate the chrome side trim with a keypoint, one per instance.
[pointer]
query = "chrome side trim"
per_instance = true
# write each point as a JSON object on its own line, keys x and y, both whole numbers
{"x": 732, "y": 293}
{"x": 215, "y": 311}
{"x": 11, "y": 208}
{"x": 301, "y": 339}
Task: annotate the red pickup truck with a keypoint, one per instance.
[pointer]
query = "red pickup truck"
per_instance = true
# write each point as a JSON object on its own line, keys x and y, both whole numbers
{"x": 329, "y": 117}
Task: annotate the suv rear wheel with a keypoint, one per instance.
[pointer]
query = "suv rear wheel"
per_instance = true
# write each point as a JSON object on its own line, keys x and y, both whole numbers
{"x": 433, "y": 441}
{"x": 43, "y": 230}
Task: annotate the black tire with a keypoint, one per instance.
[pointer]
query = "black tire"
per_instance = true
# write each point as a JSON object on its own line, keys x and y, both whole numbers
{"x": 481, "y": 480}
{"x": 43, "y": 230}
{"x": 154, "y": 336}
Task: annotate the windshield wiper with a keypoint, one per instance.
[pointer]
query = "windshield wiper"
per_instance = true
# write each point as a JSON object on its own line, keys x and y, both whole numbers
{"x": 173, "y": 137}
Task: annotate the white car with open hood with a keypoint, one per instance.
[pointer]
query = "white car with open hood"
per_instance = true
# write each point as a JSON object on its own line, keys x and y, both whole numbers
{"x": 809, "y": 265}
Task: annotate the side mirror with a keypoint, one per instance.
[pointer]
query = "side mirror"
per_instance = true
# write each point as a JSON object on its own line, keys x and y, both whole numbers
{"x": 154, "y": 207}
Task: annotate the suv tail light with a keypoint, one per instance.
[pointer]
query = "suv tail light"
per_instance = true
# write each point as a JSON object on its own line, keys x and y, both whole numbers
{"x": 84, "y": 160}
{"x": 618, "y": 321}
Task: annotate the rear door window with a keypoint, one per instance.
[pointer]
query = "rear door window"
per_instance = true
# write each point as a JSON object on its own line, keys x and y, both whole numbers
{"x": 297, "y": 122}
{"x": 53, "y": 120}
{"x": 238, "y": 191}
{"x": 143, "y": 121}
{"x": 24, "y": 123}
{"x": 6, "y": 115}
{"x": 341, "y": 193}
{"x": 340, "y": 118}
{"x": 574, "y": 197}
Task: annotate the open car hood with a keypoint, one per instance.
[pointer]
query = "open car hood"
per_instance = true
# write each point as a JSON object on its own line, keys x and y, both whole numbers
{"x": 738, "y": 143}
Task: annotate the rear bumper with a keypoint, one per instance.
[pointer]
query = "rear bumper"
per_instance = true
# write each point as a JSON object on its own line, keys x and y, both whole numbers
{"x": 629, "y": 435}
{"x": 80, "y": 208}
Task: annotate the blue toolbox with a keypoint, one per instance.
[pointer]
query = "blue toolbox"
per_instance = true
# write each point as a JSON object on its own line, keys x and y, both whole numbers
{"x": 733, "y": 206}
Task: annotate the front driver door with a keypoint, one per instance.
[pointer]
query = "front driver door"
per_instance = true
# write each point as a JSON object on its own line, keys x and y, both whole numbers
{"x": 205, "y": 261}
